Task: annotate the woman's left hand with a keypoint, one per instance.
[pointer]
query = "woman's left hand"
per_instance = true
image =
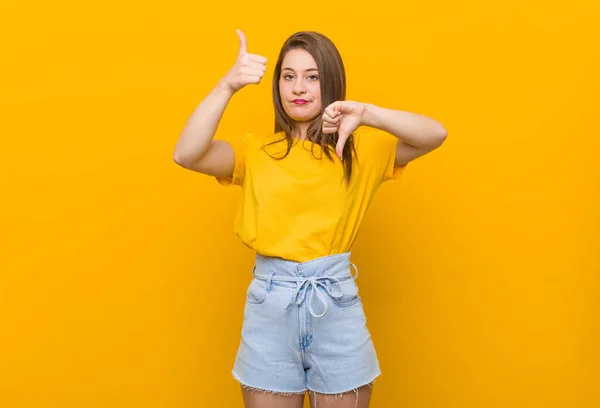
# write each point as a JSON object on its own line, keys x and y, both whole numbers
{"x": 343, "y": 117}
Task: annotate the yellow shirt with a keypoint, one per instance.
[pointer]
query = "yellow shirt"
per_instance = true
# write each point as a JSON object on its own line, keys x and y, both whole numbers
{"x": 299, "y": 208}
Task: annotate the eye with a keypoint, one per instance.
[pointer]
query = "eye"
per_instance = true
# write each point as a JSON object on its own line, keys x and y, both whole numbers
{"x": 314, "y": 76}
{"x": 285, "y": 76}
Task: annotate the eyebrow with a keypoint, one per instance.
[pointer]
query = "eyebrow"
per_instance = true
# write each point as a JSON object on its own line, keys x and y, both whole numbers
{"x": 290, "y": 69}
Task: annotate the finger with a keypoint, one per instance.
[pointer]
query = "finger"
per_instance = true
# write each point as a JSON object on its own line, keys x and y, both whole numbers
{"x": 339, "y": 147}
{"x": 257, "y": 58}
{"x": 243, "y": 45}
{"x": 257, "y": 66}
{"x": 254, "y": 72}
{"x": 330, "y": 129}
{"x": 330, "y": 111}
{"x": 254, "y": 79}
{"x": 328, "y": 119}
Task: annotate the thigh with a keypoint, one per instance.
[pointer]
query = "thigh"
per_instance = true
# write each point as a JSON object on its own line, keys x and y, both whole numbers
{"x": 342, "y": 354}
{"x": 358, "y": 398}
{"x": 269, "y": 355}
{"x": 261, "y": 399}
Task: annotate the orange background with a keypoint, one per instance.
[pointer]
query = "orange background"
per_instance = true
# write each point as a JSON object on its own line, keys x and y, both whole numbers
{"x": 122, "y": 284}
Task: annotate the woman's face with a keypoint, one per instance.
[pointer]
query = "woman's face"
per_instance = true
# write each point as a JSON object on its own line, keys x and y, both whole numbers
{"x": 299, "y": 81}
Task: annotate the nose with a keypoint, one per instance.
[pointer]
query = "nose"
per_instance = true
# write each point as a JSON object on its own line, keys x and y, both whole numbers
{"x": 299, "y": 87}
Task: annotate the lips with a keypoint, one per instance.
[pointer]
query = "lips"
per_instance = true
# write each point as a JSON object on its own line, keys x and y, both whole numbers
{"x": 300, "y": 101}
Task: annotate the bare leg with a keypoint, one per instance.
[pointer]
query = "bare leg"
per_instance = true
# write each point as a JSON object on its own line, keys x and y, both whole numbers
{"x": 254, "y": 398}
{"x": 358, "y": 398}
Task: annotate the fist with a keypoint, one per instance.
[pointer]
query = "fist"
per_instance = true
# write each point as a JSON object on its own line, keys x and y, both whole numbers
{"x": 248, "y": 68}
{"x": 343, "y": 117}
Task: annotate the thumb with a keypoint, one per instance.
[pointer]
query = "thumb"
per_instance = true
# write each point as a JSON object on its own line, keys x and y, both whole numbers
{"x": 337, "y": 106}
{"x": 243, "y": 46}
{"x": 339, "y": 147}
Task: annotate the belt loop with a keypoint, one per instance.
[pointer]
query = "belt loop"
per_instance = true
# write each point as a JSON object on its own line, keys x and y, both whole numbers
{"x": 270, "y": 281}
{"x": 355, "y": 269}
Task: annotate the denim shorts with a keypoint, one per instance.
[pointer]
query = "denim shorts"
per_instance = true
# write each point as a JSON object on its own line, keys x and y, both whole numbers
{"x": 304, "y": 328}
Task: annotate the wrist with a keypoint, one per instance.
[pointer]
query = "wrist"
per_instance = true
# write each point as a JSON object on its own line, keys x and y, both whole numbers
{"x": 369, "y": 118}
{"x": 224, "y": 88}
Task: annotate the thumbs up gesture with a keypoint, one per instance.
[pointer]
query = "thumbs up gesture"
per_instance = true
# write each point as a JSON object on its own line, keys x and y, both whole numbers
{"x": 248, "y": 68}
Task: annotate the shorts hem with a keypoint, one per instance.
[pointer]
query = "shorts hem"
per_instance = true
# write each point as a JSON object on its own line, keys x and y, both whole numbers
{"x": 348, "y": 389}
{"x": 263, "y": 389}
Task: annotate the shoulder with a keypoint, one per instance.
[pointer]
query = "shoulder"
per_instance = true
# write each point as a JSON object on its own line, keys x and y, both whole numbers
{"x": 262, "y": 138}
{"x": 253, "y": 143}
{"x": 272, "y": 137}
{"x": 368, "y": 138}
{"x": 252, "y": 139}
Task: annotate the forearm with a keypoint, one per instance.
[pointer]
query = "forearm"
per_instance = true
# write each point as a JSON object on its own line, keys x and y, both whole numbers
{"x": 202, "y": 125}
{"x": 412, "y": 128}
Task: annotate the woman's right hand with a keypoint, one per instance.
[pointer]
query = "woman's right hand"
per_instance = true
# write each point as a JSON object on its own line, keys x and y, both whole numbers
{"x": 248, "y": 68}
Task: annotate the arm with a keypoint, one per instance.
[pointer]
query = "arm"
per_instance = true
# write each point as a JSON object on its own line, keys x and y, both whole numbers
{"x": 196, "y": 150}
{"x": 418, "y": 134}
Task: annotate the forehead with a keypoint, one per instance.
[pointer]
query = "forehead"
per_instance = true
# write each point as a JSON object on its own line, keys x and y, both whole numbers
{"x": 298, "y": 60}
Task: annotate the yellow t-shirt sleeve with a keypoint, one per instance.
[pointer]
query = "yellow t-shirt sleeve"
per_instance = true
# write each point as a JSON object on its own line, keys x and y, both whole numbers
{"x": 382, "y": 152}
{"x": 240, "y": 150}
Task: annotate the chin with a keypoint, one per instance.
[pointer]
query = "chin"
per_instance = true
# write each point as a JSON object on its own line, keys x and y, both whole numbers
{"x": 304, "y": 118}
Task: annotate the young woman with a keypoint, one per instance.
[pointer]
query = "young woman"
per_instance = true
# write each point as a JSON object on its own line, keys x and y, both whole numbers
{"x": 305, "y": 190}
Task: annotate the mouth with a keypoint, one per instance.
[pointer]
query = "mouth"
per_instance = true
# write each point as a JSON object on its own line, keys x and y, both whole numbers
{"x": 299, "y": 102}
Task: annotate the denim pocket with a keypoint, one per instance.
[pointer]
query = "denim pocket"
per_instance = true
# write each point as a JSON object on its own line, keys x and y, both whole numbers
{"x": 257, "y": 292}
{"x": 350, "y": 295}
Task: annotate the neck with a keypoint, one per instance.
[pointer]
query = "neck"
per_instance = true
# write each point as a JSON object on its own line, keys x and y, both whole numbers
{"x": 301, "y": 130}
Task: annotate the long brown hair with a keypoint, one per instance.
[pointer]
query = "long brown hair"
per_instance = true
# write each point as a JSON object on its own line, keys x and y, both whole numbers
{"x": 332, "y": 79}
